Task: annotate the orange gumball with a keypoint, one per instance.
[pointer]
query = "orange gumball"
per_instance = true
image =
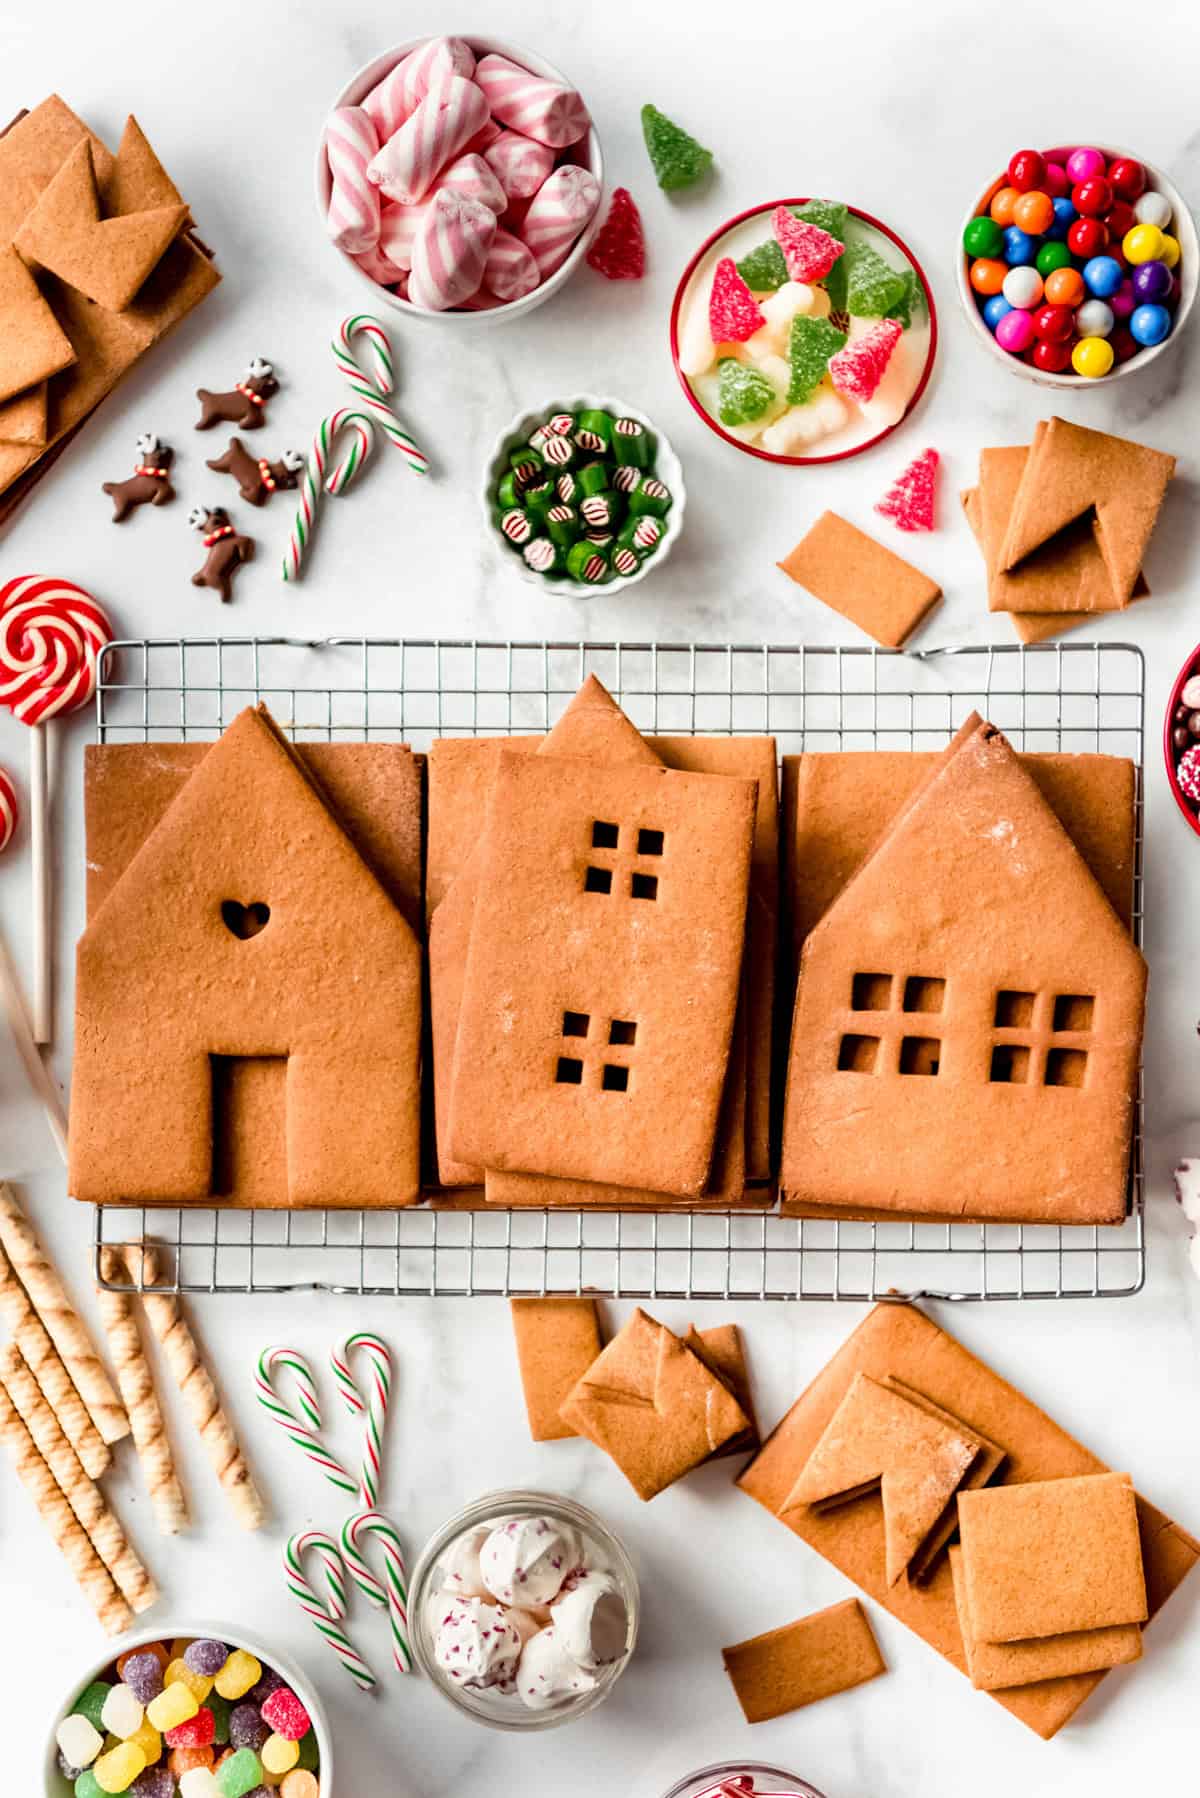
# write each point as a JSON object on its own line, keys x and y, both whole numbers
{"x": 1034, "y": 213}
{"x": 987, "y": 275}
{"x": 1004, "y": 205}
{"x": 1064, "y": 287}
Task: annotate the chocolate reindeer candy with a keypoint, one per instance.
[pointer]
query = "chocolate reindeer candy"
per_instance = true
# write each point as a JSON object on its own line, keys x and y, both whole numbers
{"x": 258, "y": 477}
{"x": 244, "y": 405}
{"x": 149, "y": 484}
{"x": 227, "y": 550}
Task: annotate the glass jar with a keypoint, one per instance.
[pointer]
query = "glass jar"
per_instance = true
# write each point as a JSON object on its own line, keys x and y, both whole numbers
{"x": 743, "y": 1779}
{"x": 505, "y": 1710}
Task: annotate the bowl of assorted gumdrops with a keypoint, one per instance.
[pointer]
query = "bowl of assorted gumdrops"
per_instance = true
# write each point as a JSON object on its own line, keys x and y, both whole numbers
{"x": 1079, "y": 265}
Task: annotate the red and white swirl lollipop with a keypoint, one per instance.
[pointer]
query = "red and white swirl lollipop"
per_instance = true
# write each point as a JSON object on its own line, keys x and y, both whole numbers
{"x": 51, "y": 635}
{"x": 9, "y": 811}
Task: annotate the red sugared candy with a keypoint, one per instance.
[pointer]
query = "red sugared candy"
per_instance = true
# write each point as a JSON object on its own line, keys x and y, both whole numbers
{"x": 1050, "y": 357}
{"x": 1026, "y": 171}
{"x": 619, "y": 249}
{"x": 808, "y": 251}
{"x": 1055, "y": 324}
{"x": 286, "y": 1715}
{"x": 1087, "y": 237}
{"x": 193, "y": 1732}
{"x": 733, "y": 312}
{"x": 1128, "y": 177}
{"x": 1188, "y": 773}
{"x": 908, "y": 502}
{"x": 857, "y": 370}
{"x": 1092, "y": 198}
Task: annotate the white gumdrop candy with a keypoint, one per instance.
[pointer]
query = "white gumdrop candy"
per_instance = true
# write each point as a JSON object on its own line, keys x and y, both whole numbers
{"x": 123, "y": 1712}
{"x": 80, "y": 1743}
{"x": 801, "y": 425}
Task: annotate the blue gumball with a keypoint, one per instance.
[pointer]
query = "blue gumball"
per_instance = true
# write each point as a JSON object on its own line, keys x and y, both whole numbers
{"x": 1064, "y": 217}
{"x": 1152, "y": 281}
{"x": 1150, "y": 325}
{"x": 1020, "y": 249}
{"x": 995, "y": 310}
{"x": 1102, "y": 275}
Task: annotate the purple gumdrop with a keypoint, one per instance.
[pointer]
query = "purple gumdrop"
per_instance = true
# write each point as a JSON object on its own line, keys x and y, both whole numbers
{"x": 270, "y": 1682}
{"x": 144, "y": 1676}
{"x": 206, "y": 1656}
{"x": 155, "y": 1782}
{"x": 246, "y": 1727}
{"x": 66, "y": 1769}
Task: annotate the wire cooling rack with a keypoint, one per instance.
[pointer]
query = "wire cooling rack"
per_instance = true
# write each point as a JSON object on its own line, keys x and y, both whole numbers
{"x": 1061, "y": 696}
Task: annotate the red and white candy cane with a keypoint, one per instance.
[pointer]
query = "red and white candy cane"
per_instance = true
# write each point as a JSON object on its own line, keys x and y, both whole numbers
{"x": 10, "y": 812}
{"x": 51, "y": 636}
{"x": 374, "y": 390}
{"x": 553, "y": 114}
{"x": 303, "y": 1430}
{"x": 325, "y": 1614}
{"x": 368, "y": 1401}
{"x": 557, "y": 214}
{"x": 392, "y": 1590}
{"x": 353, "y": 217}
{"x": 314, "y": 482}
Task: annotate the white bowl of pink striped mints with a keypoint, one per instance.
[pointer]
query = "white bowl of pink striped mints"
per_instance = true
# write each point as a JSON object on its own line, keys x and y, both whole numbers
{"x": 460, "y": 179}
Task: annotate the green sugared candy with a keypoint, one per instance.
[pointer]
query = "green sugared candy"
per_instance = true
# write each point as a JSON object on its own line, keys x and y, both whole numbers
{"x": 633, "y": 446}
{"x": 593, "y": 478}
{"x": 811, "y": 343}
{"x": 220, "y": 1708}
{"x": 90, "y": 1703}
{"x": 911, "y": 298}
{"x": 650, "y": 498}
{"x": 239, "y": 1774}
{"x": 743, "y": 393}
{"x": 764, "y": 270}
{"x": 562, "y": 525}
{"x": 597, "y": 423}
{"x": 588, "y": 562}
{"x": 310, "y": 1754}
{"x": 678, "y": 160}
{"x": 826, "y": 215}
{"x": 873, "y": 286}
{"x": 88, "y": 1786}
{"x": 982, "y": 236}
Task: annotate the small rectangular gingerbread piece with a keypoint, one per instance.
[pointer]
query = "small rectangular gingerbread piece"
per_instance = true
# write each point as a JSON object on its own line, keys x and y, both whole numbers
{"x": 999, "y": 1666}
{"x": 557, "y": 1341}
{"x": 785, "y": 1669}
{"x": 863, "y": 580}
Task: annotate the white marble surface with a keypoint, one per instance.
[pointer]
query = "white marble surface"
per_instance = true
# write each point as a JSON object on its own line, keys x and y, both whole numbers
{"x": 904, "y": 112}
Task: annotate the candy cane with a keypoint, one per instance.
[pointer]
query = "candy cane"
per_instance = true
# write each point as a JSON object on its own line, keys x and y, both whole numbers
{"x": 303, "y": 1430}
{"x": 393, "y": 1590}
{"x": 326, "y": 1617}
{"x": 373, "y": 389}
{"x": 371, "y": 1405}
{"x": 362, "y": 436}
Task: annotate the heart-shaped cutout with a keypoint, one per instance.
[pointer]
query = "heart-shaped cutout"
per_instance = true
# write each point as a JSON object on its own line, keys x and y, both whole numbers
{"x": 244, "y": 921}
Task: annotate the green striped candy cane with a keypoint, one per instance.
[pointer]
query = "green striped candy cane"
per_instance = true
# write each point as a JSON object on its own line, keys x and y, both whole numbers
{"x": 314, "y": 482}
{"x": 392, "y": 1590}
{"x": 303, "y": 1429}
{"x": 325, "y": 1614}
{"x": 369, "y": 1401}
{"x": 373, "y": 390}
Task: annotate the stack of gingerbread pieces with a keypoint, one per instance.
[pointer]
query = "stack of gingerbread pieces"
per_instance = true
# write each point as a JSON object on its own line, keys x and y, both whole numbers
{"x": 97, "y": 262}
{"x": 1064, "y": 523}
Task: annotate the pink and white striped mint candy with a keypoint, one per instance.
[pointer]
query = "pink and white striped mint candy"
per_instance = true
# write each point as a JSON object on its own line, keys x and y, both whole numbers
{"x": 471, "y": 177}
{"x": 557, "y": 214}
{"x": 510, "y": 271}
{"x": 450, "y": 251}
{"x": 409, "y": 163}
{"x": 401, "y": 91}
{"x": 521, "y": 163}
{"x": 351, "y": 140}
{"x": 554, "y": 115}
{"x": 398, "y": 226}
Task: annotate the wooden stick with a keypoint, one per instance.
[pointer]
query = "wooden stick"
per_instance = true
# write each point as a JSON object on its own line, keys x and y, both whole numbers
{"x": 95, "y": 1581}
{"x": 64, "y": 1324}
{"x": 39, "y": 842}
{"x": 136, "y": 1383}
{"x": 29, "y": 1333}
{"x": 40, "y": 1077}
{"x": 107, "y": 1536}
{"x": 195, "y": 1383}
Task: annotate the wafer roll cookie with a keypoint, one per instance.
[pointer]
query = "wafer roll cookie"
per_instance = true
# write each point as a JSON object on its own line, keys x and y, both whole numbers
{"x": 136, "y": 1384}
{"x": 105, "y": 1531}
{"x": 29, "y": 1334}
{"x": 94, "y": 1579}
{"x": 195, "y": 1383}
{"x": 62, "y": 1321}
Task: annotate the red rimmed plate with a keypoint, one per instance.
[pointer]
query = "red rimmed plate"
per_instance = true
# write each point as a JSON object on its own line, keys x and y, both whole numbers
{"x": 1190, "y": 667}
{"x": 732, "y": 238}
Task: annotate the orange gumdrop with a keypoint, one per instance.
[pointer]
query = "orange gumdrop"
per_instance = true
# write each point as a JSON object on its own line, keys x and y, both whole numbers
{"x": 1003, "y": 206}
{"x": 987, "y": 275}
{"x": 1064, "y": 287}
{"x": 1034, "y": 212}
{"x": 182, "y": 1760}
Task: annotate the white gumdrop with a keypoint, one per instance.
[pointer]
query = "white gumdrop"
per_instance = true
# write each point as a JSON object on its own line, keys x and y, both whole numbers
{"x": 801, "y": 425}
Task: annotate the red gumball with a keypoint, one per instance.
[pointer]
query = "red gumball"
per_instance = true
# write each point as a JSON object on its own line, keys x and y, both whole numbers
{"x": 1124, "y": 343}
{"x": 1128, "y": 177}
{"x": 1051, "y": 358}
{"x": 1120, "y": 218}
{"x": 1026, "y": 171}
{"x": 1087, "y": 237}
{"x": 1054, "y": 324}
{"x": 1092, "y": 198}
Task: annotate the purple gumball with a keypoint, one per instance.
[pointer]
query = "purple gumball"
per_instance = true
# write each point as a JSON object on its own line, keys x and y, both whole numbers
{"x": 1151, "y": 282}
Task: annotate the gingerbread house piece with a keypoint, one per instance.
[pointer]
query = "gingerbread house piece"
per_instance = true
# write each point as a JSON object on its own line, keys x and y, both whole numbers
{"x": 968, "y": 1017}
{"x": 247, "y": 926}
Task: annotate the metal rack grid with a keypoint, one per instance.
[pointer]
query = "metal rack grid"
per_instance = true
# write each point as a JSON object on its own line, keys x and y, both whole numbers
{"x": 1061, "y": 696}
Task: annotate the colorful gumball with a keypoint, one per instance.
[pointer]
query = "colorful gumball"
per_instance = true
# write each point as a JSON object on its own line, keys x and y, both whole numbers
{"x": 1022, "y": 287}
{"x": 1152, "y": 281}
{"x": 1034, "y": 212}
{"x": 1094, "y": 319}
{"x": 1055, "y": 181}
{"x": 1120, "y": 219}
{"x": 1143, "y": 244}
{"x": 1124, "y": 300}
{"x": 1020, "y": 250}
{"x": 1150, "y": 325}
{"x": 1087, "y": 237}
{"x": 1092, "y": 357}
{"x": 1003, "y": 205}
{"x": 1128, "y": 177}
{"x": 1026, "y": 171}
{"x": 1055, "y": 324}
{"x": 983, "y": 237}
{"x": 1083, "y": 163}
{"x": 1170, "y": 251}
{"x": 1052, "y": 256}
{"x": 1051, "y": 358}
{"x": 1064, "y": 217}
{"x": 1102, "y": 276}
{"x": 987, "y": 275}
{"x": 1092, "y": 198}
{"x": 1015, "y": 332}
{"x": 1151, "y": 209}
{"x": 996, "y": 308}
{"x": 1065, "y": 287}
{"x": 1123, "y": 342}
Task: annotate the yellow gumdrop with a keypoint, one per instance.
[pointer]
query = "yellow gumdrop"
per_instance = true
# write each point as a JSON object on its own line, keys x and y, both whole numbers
{"x": 116, "y": 1771}
{"x": 240, "y": 1672}
{"x": 148, "y": 1740}
{"x": 174, "y": 1704}
{"x": 180, "y": 1674}
{"x": 278, "y": 1755}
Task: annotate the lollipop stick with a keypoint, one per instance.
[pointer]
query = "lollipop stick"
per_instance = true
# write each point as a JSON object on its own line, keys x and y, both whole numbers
{"x": 39, "y": 830}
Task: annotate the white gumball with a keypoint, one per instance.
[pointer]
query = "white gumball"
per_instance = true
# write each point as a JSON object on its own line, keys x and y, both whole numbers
{"x": 1153, "y": 209}
{"x": 1023, "y": 288}
{"x": 1094, "y": 319}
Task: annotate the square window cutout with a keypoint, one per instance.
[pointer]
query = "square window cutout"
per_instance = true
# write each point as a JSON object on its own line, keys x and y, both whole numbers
{"x": 644, "y": 886}
{"x": 614, "y": 1079}
{"x": 1014, "y": 1011}
{"x": 920, "y": 1055}
{"x": 858, "y": 1054}
{"x": 575, "y": 1023}
{"x": 1073, "y": 1011}
{"x": 604, "y": 835}
{"x": 871, "y": 992}
{"x": 924, "y": 993}
{"x": 650, "y": 842}
{"x": 1066, "y": 1067}
{"x": 598, "y": 880}
{"x": 569, "y": 1071}
{"x": 622, "y": 1032}
{"x": 1010, "y": 1065}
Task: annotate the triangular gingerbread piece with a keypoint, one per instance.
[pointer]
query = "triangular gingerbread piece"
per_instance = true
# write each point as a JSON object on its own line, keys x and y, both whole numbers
{"x": 1073, "y": 472}
{"x": 107, "y": 260}
{"x": 877, "y": 1439}
{"x": 137, "y": 181}
{"x": 247, "y": 925}
{"x": 33, "y": 344}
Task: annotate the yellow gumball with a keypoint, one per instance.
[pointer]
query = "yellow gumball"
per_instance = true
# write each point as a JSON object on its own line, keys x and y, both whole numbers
{"x": 1092, "y": 357}
{"x": 1169, "y": 252}
{"x": 1143, "y": 244}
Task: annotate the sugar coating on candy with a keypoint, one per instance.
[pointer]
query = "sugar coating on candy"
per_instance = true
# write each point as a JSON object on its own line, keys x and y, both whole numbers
{"x": 677, "y": 159}
{"x": 743, "y": 394}
{"x": 278, "y": 1754}
{"x": 117, "y": 1770}
{"x": 240, "y": 1672}
{"x": 179, "y": 1673}
{"x": 147, "y": 1738}
{"x": 1187, "y": 773}
{"x": 618, "y": 249}
{"x": 873, "y": 286}
{"x": 90, "y": 1703}
{"x": 286, "y": 1715}
{"x": 830, "y": 215}
{"x": 908, "y": 502}
{"x": 193, "y": 1732}
{"x": 299, "y": 1783}
{"x": 812, "y": 343}
{"x": 154, "y": 1782}
{"x": 310, "y": 1753}
{"x": 79, "y": 1740}
{"x": 86, "y": 1785}
{"x": 206, "y": 1656}
{"x": 237, "y": 1775}
{"x": 763, "y": 269}
{"x": 808, "y": 251}
{"x": 199, "y": 1782}
{"x": 857, "y": 370}
{"x": 173, "y": 1704}
{"x": 220, "y": 1708}
{"x": 123, "y": 1712}
{"x": 733, "y": 312}
{"x": 182, "y": 1760}
{"x": 909, "y": 300}
{"x": 143, "y": 1674}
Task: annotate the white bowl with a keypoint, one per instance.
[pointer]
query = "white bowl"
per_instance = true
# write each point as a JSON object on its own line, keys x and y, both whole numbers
{"x": 57, "y": 1786}
{"x": 667, "y": 469}
{"x": 1183, "y": 228}
{"x": 369, "y": 76}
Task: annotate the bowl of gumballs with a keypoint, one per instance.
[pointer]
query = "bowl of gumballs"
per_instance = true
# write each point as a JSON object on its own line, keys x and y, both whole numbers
{"x": 1079, "y": 265}
{"x": 583, "y": 494}
{"x": 1181, "y": 740}
{"x": 460, "y": 178}
{"x": 206, "y": 1713}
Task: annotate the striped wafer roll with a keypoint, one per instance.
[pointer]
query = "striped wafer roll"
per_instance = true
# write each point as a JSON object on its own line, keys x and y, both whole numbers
{"x": 510, "y": 270}
{"x": 399, "y": 94}
{"x": 398, "y": 227}
{"x": 521, "y": 164}
{"x": 136, "y": 1383}
{"x": 557, "y": 214}
{"x": 450, "y": 252}
{"x": 351, "y": 140}
{"x": 409, "y": 163}
{"x": 94, "y": 1579}
{"x": 29, "y": 1333}
{"x": 104, "y": 1529}
{"x": 471, "y": 177}
{"x": 554, "y": 115}
{"x": 62, "y": 1321}
{"x": 200, "y": 1395}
